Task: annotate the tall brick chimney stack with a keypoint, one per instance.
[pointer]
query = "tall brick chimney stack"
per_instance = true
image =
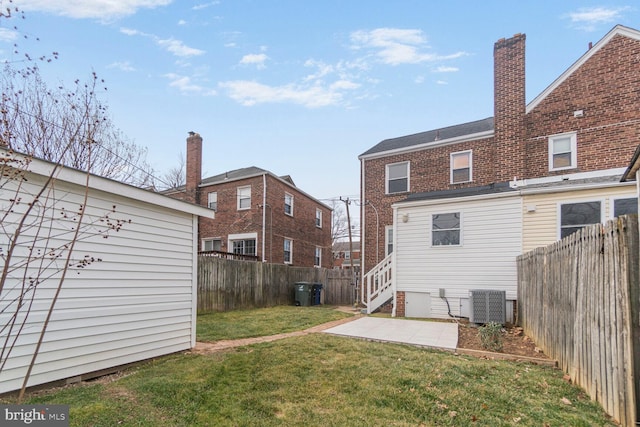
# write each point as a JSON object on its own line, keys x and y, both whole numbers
{"x": 509, "y": 107}
{"x": 194, "y": 167}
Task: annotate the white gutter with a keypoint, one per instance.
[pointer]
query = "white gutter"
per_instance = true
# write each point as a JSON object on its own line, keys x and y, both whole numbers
{"x": 362, "y": 229}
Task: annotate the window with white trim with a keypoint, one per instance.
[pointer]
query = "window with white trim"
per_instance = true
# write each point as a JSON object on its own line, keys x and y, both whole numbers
{"x": 563, "y": 151}
{"x": 244, "y": 197}
{"x": 317, "y": 259}
{"x": 388, "y": 240}
{"x": 397, "y": 178}
{"x": 211, "y": 245}
{"x": 574, "y": 216}
{"x": 212, "y": 200}
{"x": 461, "y": 167}
{"x": 445, "y": 229}
{"x": 318, "y": 218}
{"x": 288, "y": 204}
{"x": 625, "y": 206}
{"x": 244, "y": 246}
{"x": 288, "y": 251}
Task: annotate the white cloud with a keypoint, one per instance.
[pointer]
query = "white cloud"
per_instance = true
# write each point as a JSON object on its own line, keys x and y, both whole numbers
{"x": 7, "y": 35}
{"x": 395, "y": 46}
{"x": 205, "y": 5}
{"x": 185, "y": 85}
{"x": 182, "y": 22}
{"x": 123, "y": 66}
{"x": 441, "y": 82}
{"x": 443, "y": 69}
{"x": 588, "y": 18}
{"x": 178, "y": 48}
{"x": 257, "y": 59}
{"x": 250, "y": 93}
{"x": 98, "y": 9}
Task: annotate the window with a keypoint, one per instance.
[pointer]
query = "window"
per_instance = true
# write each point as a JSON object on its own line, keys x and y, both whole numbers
{"x": 347, "y": 255}
{"x": 288, "y": 248}
{"x": 445, "y": 229}
{"x": 317, "y": 259}
{"x": 318, "y": 218}
{"x": 625, "y": 206}
{"x": 574, "y": 216}
{"x": 211, "y": 245}
{"x": 397, "y": 178}
{"x": 388, "y": 240}
{"x": 288, "y": 204}
{"x": 461, "y": 167}
{"x": 244, "y": 197}
{"x": 213, "y": 200}
{"x": 563, "y": 152}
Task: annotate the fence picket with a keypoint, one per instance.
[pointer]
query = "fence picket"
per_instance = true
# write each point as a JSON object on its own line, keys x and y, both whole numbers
{"x": 578, "y": 299}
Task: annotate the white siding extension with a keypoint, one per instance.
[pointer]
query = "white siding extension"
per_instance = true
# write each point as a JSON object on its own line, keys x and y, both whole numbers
{"x": 137, "y": 302}
{"x": 491, "y": 230}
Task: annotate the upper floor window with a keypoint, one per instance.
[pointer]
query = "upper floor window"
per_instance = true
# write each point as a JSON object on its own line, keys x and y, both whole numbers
{"x": 318, "y": 218}
{"x": 563, "y": 151}
{"x": 461, "y": 167}
{"x": 574, "y": 216}
{"x": 288, "y": 204}
{"x": 288, "y": 251}
{"x": 317, "y": 259}
{"x": 244, "y": 197}
{"x": 625, "y": 206}
{"x": 397, "y": 178}
{"x": 445, "y": 229}
{"x": 212, "y": 200}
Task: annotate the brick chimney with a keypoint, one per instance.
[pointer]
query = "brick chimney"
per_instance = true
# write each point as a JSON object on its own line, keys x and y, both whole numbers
{"x": 194, "y": 167}
{"x": 509, "y": 107}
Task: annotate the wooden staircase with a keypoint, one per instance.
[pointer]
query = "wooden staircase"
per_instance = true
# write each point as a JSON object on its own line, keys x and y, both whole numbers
{"x": 377, "y": 285}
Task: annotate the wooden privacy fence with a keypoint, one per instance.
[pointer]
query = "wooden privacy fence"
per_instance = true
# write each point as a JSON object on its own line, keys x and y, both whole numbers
{"x": 578, "y": 300}
{"x": 225, "y": 285}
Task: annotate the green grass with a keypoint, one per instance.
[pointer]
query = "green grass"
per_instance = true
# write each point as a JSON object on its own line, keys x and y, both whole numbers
{"x": 262, "y": 322}
{"x": 324, "y": 380}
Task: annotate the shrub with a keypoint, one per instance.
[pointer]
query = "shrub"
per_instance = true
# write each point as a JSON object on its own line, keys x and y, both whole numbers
{"x": 491, "y": 336}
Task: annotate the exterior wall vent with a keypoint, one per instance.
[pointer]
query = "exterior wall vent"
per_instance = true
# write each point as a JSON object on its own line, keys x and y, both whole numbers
{"x": 487, "y": 306}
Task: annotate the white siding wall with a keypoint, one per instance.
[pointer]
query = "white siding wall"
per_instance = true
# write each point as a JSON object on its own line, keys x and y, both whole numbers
{"x": 486, "y": 258}
{"x": 135, "y": 304}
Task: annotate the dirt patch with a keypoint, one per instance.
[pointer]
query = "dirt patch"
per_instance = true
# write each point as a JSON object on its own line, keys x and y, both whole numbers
{"x": 513, "y": 341}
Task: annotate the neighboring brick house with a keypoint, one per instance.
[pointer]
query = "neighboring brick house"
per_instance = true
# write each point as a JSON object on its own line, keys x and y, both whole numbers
{"x": 346, "y": 255}
{"x": 449, "y": 209}
{"x": 258, "y": 214}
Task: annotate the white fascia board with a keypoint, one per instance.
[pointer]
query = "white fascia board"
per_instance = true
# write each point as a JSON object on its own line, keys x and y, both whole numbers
{"x": 452, "y": 200}
{"x": 617, "y": 30}
{"x": 429, "y": 145}
{"x": 78, "y": 177}
{"x": 570, "y": 177}
{"x": 568, "y": 188}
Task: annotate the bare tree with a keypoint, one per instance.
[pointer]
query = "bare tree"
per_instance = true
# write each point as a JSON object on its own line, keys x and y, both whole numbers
{"x": 43, "y": 120}
{"x": 39, "y": 228}
{"x": 340, "y": 222}
{"x": 174, "y": 177}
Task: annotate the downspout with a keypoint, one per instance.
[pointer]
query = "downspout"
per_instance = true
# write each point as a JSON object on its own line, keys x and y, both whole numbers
{"x": 393, "y": 263}
{"x": 362, "y": 233}
{"x": 264, "y": 216}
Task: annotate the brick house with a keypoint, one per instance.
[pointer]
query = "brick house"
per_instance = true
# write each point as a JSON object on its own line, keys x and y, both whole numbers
{"x": 454, "y": 206}
{"x": 346, "y": 255}
{"x": 258, "y": 214}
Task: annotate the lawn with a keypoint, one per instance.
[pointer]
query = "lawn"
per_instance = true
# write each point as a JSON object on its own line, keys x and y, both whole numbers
{"x": 324, "y": 380}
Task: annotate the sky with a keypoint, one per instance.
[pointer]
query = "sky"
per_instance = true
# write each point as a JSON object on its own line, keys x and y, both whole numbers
{"x": 299, "y": 87}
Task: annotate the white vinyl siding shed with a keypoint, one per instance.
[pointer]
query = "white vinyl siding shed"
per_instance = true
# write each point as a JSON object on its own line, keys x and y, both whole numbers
{"x": 491, "y": 230}
{"x": 138, "y": 302}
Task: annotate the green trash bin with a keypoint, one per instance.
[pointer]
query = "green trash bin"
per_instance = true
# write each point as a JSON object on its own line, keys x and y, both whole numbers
{"x": 303, "y": 294}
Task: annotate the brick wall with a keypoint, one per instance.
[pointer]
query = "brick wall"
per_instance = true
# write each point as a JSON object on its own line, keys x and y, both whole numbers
{"x": 300, "y": 227}
{"x": 193, "y": 168}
